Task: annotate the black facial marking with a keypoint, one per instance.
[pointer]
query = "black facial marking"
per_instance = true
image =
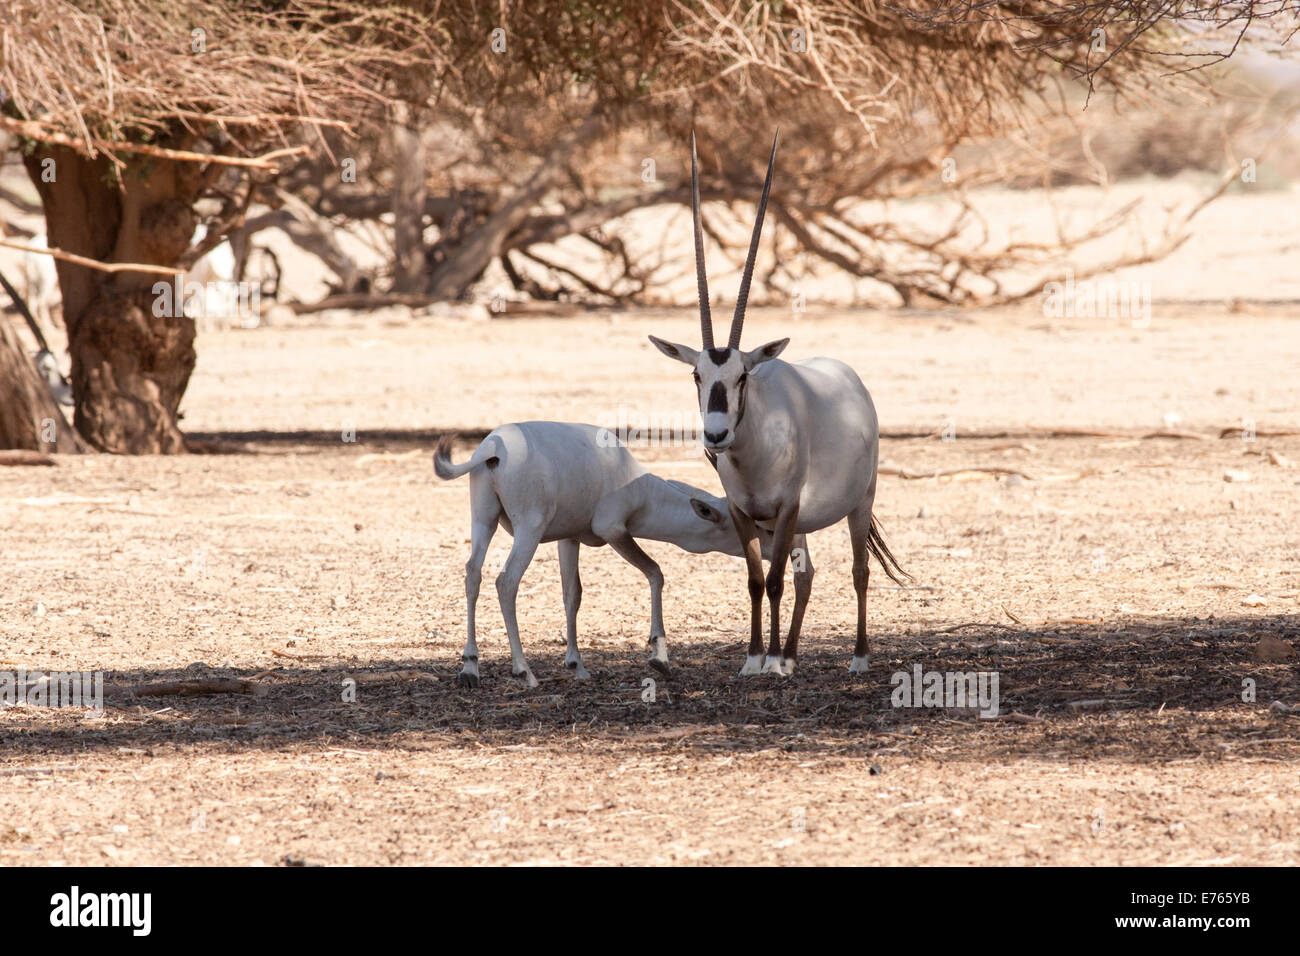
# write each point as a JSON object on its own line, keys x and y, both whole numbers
{"x": 718, "y": 398}
{"x": 719, "y": 356}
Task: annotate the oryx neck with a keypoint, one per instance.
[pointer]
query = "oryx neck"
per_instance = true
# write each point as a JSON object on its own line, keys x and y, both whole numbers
{"x": 749, "y": 430}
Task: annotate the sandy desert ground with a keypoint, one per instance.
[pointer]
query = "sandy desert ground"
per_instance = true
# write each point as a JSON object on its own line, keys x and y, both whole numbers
{"x": 1121, "y": 588}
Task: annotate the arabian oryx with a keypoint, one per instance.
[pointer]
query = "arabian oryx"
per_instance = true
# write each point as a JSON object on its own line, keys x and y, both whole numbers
{"x": 796, "y": 447}
{"x": 42, "y": 282}
{"x": 575, "y": 484}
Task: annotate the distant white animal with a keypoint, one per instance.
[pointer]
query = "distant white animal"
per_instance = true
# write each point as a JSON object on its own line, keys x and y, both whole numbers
{"x": 41, "y": 294}
{"x": 796, "y": 447}
{"x": 553, "y": 481}
{"x": 48, "y": 366}
{"x": 41, "y": 284}
{"x": 218, "y": 305}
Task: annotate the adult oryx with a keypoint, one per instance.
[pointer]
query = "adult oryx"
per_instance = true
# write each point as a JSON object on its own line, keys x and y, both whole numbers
{"x": 796, "y": 447}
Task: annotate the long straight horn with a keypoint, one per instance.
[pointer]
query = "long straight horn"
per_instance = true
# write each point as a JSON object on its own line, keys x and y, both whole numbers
{"x": 701, "y": 280}
{"x": 738, "y": 322}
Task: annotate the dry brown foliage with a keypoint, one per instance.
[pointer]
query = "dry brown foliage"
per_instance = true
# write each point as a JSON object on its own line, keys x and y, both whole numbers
{"x": 100, "y": 72}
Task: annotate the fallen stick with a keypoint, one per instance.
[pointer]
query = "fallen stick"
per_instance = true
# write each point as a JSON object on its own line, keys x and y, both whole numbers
{"x": 538, "y": 310}
{"x": 393, "y": 675}
{"x": 1014, "y": 446}
{"x": 1192, "y": 436}
{"x": 1086, "y": 433}
{"x": 958, "y": 627}
{"x": 913, "y": 475}
{"x": 21, "y": 456}
{"x": 1016, "y": 717}
{"x": 196, "y": 688}
{"x": 363, "y": 301}
{"x": 1258, "y": 432}
{"x": 298, "y": 657}
{"x": 1100, "y": 433}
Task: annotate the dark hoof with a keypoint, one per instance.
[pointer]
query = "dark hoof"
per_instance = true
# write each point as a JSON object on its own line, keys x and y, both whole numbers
{"x": 469, "y": 681}
{"x": 659, "y": 667}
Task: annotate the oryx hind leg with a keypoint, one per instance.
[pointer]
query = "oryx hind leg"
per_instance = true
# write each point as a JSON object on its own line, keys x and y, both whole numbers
{"x": 528, "y": 535}
{"x": 572, "y": 585}
{"x": 485, "y": 513}
{"x": 859, "y": 529}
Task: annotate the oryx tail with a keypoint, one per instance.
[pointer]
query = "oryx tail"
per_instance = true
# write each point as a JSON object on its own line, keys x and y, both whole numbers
{"x": 486, "y": 454}
{"x": 880, "y": 551}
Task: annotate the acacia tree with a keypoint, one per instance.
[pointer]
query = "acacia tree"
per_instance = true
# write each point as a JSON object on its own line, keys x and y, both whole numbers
{"x": 874, "y": 102}
{"x": 140, "y": 109}
{"x": 128, "y": 114}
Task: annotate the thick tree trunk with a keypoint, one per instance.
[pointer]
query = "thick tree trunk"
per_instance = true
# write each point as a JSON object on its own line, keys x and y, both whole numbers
{"x": 29, "y": 417}
{"x": 408, "y": 205}
{"x": 130, "y": 367}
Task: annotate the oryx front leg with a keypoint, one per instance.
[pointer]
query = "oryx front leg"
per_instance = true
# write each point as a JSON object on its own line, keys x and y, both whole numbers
{"x": 782, "y": 541}
{"x": 627, "y": 548}
{"x": 521, "y": 555}
{"x": 803, "y": 578}
{"x": 753, "y": 552}
{"x": 572, "y": 585}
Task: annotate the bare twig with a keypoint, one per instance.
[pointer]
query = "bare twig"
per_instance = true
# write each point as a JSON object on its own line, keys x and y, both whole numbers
{"x": 93, "y": 263}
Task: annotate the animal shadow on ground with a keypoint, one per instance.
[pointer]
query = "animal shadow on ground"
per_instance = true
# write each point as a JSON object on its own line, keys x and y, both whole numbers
{"x": 1149, "y": 691}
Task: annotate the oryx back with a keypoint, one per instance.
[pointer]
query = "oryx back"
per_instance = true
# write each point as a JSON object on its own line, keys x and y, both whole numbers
{"x": 563, "y": 469}
{"x": 814, "y": 434}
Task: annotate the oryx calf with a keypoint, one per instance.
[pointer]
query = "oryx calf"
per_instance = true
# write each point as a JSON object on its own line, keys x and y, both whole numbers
{"x": 553, "y": 481}
{"x": 796, "y": 447}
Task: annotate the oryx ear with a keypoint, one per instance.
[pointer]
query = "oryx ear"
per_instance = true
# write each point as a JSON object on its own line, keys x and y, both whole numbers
{"x": 706, "y": 511}
{"x": 679, "y": 352}
{"x": 764, "y": 353}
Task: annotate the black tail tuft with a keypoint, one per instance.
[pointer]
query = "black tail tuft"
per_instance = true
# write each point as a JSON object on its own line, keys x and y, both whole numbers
{"x": 442, "y": 464}
{"x": 880, "y": 551}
